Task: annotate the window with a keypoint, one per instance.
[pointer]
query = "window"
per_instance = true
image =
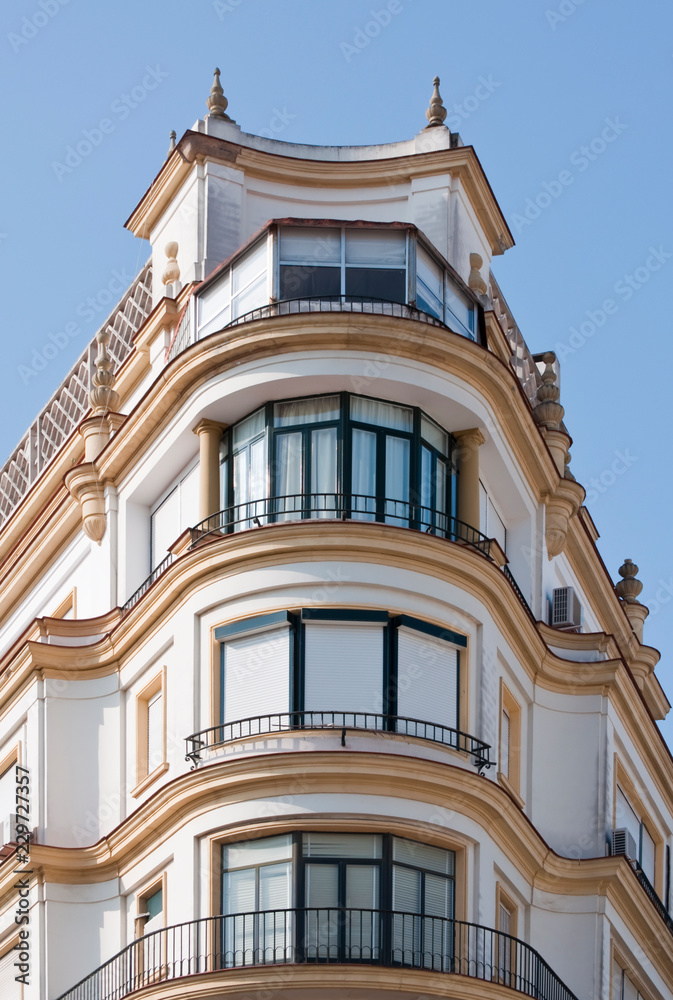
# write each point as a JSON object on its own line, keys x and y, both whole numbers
{"x": 623, "y": 987}
{"x": 509, "y": 758}
{"x": 155, "y": 954}
{"x": 356, "y": 263}
{"x": 641, "y": 847}
{"x": 177, "y": 511}
{"x": 335, "y": 898}
{"x": 439, "y": 293}
{"x": 237, "y": 291}
{"x": 506, "y": 924}
{"x": 150, "y": 733}
{"x": 368, "y": 670}
{"x": 338, "y": 455}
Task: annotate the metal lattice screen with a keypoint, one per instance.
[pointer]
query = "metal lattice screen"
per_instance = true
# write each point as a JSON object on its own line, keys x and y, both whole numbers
{"x": 70, "y": 403}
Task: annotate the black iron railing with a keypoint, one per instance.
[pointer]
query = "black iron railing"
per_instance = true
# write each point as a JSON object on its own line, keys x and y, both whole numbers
{"x": 653, "y": 895}
{"x": 326, "y": 935}
{"x": 146, "y": 584}
{"x": 340, "y": 506}
{"x": 338, "y": 303}
{"x": 519, "y": 593}
{"x": 268, "y": 725}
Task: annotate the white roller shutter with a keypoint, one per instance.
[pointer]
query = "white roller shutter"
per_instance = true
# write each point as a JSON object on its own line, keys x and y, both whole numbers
{"x": 256, "y": 676}
{"x": 427, "y": 678}
{"x": 9, "y": 988}
{"x": 344, "y": 667}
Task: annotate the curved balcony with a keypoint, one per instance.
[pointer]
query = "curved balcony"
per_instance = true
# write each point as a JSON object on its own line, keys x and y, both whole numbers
{"x": 323, "y": 936}
{"x": 340, "y": 507}
{"x": 269, "y": 725}
{"x": 338, "y": 303}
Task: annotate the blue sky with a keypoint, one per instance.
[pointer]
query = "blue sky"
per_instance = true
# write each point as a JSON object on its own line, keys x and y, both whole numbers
{"x": 567, "y": 103}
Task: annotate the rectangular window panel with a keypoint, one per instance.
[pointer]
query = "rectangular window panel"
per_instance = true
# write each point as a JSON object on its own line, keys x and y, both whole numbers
{"x": 406, "y": 926}
{"x": 362, "y": 924}
{"x": 344, "y": 670}
{"x": 434, "y": 859}
{"x": 459, "y": 311}
{"x": 341, "y": 845}
{"x": 434, "y": 435}
{"x": 375, "y": 246}
{"x": 252, "y": 297}
{"x": 363, "y": 475}
{"x": 429, "y": 285}
{"x": 189, "y": 499}
{"x": 397, "y": 480}
{"x": 256, "y": 681}
{"x": 239, "y": 896}
{"x": 324, "y": 472}
{"x": 246, "y": 272}
{"x": 627, "y": 817}
{"x": 289, "y": 476}
{"x": 382, "y": 414}
{"x": 301, "y": 281}
{"x": 214, "y": 306}
{"x": 427, "y": 681}
{"x": 322, "y": 918}
{"x": 248, "y": 429}
{"x": 257, "y": 852}
{"x": 308, "y": 244}
{"x": 376, "y": 283}
{"x": 306, "y": 411}
{"x": 275, "y": 925}
{"x": 155, "y": 726}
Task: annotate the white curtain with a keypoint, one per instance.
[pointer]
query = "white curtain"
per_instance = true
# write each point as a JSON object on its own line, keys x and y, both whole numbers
{"x": 306, "y": 411}
{"x": 363, "y": 476}
{"x": 324, "y": 472}
{"x": 289, "y": 475}
{"x": 397, "y": 480}
{"x": 375, "y": 411}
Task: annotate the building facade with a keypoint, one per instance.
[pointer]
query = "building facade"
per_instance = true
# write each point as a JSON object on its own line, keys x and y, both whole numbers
{"x": 312, "y": 680}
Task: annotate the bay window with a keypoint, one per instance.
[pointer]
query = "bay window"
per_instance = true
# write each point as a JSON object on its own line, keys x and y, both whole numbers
{"x": 339, "y": 455}
{"x": 363, "y": 668}
{"x": 330, "y": 896}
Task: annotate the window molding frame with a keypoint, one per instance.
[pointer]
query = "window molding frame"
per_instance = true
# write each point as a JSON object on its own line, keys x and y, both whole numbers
{"x": 622, "y": 779}
{"x": 69, "y": 603}
{"x": 145, "y": 777}
{"x": 511, "y": 782}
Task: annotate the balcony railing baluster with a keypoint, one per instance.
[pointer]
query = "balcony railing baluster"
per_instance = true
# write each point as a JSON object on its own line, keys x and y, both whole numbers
{"x": 330, "y": 935}
{"x": 269, "y": 725}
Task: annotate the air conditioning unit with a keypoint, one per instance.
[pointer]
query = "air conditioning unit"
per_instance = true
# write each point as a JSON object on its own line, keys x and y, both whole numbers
{"x": 566, "y": 610}
{"x": 623, "y": 842}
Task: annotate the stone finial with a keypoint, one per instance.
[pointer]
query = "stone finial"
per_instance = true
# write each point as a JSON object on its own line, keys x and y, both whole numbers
{"x": 103, "y": 398}
{"x": 217, "y": 102}
{"x": 475, "y": 281}
{"x": 171, "y": 145}
{"x": 436, "y": 113}
{"x": 172, "y": 269}
{"x": 628, "y": 587}
{"x": 548, "y": 411}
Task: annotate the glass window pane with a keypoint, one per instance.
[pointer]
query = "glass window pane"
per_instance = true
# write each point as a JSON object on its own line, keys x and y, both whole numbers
{"x": 397, "y": 479}
{"x": 214, "y": 306}
{"x": 257, "y": 852}
{"x": 154, "y": 904}
{"x": 249, "y": 267}
{"x": 376, "y": 411}
{"x": 434, "y": 859}
{"x": 376, "y": 283}
{"x": 310, "y": 244}
{"x": 305, "y": 282}
{"x": 362, "y": 887}
{"x": 438, "y": 896}
{"x": 324, "y": 472}
{"x": 375, "y": 246}
{"x": 306, "y": 411}
{"x": 460, "y": 308}
{"x": 289, "y": 475}
{"x": 248, "y": 429}
{"x": 434, "y": 435}
{"x": 252, "y": 297}
{"x": 429, "y": 285}
{"x": 363, "y": 475}
{"x": 322, "y": 885}
{"x": 275, "y": 886}
{"x": 341, "y": 845}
